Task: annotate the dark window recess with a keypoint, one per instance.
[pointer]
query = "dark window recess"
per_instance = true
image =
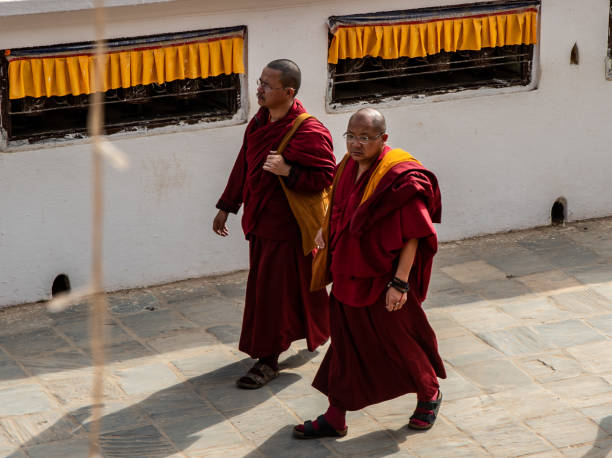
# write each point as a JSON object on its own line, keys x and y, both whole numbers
{"x": 373, "y": 78}
{"x": 154, "y": 105}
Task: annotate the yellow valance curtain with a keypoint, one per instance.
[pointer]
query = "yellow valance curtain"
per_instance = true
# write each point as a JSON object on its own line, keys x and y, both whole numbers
{"x": 73, "y": 74}
{"x": 419, "y": 39}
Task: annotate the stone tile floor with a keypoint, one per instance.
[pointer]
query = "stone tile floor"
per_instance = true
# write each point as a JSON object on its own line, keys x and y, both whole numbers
{"x": 524, "y": 322}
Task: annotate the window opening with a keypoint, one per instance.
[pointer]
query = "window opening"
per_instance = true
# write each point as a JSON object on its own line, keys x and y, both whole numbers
{"x": 152, "y": 81}
{"x": 421, "y": 52}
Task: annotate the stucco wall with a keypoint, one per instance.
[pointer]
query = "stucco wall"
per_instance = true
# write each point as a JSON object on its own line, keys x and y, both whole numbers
{"x": 501, "y": 159}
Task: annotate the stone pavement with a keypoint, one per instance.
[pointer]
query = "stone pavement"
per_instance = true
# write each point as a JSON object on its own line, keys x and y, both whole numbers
{"x": 524, "y": 322}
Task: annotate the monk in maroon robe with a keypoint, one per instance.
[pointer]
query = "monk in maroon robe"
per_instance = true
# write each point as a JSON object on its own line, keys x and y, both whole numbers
{"x": 381, "y": 242}
{"x": 279, "y": 307}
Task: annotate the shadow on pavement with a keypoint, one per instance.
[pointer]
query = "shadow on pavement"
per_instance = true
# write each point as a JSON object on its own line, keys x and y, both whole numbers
{"x": 375, "y": 444}
{"x": 603, "y": 442}
{"x": 179, "y": 411}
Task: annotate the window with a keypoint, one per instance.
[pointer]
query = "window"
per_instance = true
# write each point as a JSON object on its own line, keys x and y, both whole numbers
{"x": 149, "y": 82}
{"x": 423, "y": 52}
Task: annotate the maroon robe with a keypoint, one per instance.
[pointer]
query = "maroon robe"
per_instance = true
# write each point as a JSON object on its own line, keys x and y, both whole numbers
{"x": 279, "y": 307}
{"x": 376, "y": 355}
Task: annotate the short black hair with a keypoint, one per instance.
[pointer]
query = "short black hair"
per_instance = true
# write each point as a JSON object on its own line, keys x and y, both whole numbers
{"x": 291, "y": 76}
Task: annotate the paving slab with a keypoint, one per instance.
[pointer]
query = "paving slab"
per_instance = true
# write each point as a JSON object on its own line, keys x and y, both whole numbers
{"x": 75, "y": 389}
{"x": 24, "y": 399}
{"x": 32, "y": 343}
{"x": 60, "y": 449}
{"x": 535, "y": 310}
{"x": 594, "y": 357}
{"x": 583, "y": 302}
{"x": 466, "y": 350}
{"x": 209, "y": 430}
{"x": 473, "y": 272}
{"x": 39, "y": 428}
{"x": 581, "y": 391}
{"x": 467, "y": 414}
{"x": 569, "y": 333}
{"x": 530, "y": 401}
{"x": 78, "y": 331}
{"x": 10, "y": 371}
{"x": 550, "y": 280}
{"x": 603, "y": 323}
{"x": 140, "y": 441}
{"x": 495, "y": 375}
{"x": 134, "y": 301}
{"x": 511, "y": 440}
{"x": 155, "y": 323}
{"x": 483, "y": 318}
{"x": 217, "y": 310}
{"x": 145, "y": 379}
{"x": 550, "y": 367}
{"x": 58, "y": 364}
{"x": 565, "y": 429}
{"x": 117, "y": 415}
{"x": 178, "y": 401}
{"x": 514, "y": 260}
{"x": 516, "y": 341}
{"x": 455, "y": 386}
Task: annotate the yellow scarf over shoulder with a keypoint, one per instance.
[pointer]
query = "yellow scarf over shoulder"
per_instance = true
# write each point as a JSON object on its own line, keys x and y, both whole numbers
{"x": 390, "y": 160}
{"x": 320, "y": 266}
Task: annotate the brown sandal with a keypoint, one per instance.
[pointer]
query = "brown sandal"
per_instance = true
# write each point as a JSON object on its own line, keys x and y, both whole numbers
{"x": 257, "y": 376}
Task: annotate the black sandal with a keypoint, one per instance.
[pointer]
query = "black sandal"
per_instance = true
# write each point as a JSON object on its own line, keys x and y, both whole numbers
{"x": 325, "y": 430}
{"x": 426, "y": 411}
{"x": 257, "y": 376}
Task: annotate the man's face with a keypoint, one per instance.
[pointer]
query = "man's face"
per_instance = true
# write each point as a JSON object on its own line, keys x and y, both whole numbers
{"x": 270, "y": 91}
{"x": 364, "y": 152}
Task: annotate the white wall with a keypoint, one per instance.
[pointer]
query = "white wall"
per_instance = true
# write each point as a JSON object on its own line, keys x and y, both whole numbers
{"x": 502, "y": 160}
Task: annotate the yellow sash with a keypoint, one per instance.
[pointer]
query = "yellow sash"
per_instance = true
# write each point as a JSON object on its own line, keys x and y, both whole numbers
{"x": 391, "y": 159}
{"x": 307, "y": 208}
{"x": 320, "y": 264}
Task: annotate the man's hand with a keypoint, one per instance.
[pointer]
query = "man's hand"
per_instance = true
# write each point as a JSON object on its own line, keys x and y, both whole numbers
{"x": 395, "y": 299}
{"x": 275, "y": 163}
{"x": 319, "y": 239}
{"x": 219, "y": 223}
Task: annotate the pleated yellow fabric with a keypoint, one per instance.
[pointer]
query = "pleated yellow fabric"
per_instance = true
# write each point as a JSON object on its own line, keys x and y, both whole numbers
{"x": 63, "y": 75}
{"x": 420, "y": 39}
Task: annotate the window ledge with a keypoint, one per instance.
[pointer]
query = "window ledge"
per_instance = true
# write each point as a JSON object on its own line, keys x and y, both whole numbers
{"x": 16, "y": 146}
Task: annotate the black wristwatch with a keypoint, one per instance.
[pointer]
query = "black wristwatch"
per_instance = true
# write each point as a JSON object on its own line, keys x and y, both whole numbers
{"x": 399, "y": 285}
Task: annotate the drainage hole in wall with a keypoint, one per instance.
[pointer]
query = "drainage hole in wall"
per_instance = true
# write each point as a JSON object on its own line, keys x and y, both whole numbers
{"x": 61, "y": 284}
{"x": 558, "y": 212}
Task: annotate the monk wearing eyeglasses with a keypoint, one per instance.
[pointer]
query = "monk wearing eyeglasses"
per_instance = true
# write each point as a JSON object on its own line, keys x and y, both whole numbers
{"x": 279, "y": 306}
{"x": 377, "y": 245}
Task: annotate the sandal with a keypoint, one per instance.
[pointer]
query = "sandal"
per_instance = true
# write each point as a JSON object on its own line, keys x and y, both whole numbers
{"x": 325, "y": 430}
{"x": 257, "y": 376}
{"x": 426, "y": 411}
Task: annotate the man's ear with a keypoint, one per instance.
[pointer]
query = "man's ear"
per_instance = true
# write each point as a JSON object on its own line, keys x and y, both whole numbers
{"x": 384, "y": 137}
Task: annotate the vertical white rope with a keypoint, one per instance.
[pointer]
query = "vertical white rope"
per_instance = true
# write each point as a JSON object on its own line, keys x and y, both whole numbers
{"x": 98, "y": 303}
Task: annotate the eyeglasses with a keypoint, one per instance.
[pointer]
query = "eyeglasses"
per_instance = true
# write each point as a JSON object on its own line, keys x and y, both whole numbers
{"x": 362, "y": 139}
{"x": 265, "y": 86}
